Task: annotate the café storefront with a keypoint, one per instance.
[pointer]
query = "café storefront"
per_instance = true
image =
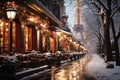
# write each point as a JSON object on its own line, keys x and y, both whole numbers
{"x": 33, "y": 28}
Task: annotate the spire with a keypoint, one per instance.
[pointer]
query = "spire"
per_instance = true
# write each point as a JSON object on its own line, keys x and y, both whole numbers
{"x": 78, "y": 16}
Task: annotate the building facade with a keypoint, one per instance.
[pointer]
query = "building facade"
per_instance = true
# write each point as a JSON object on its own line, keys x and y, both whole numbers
{"x": 35, "y": 26}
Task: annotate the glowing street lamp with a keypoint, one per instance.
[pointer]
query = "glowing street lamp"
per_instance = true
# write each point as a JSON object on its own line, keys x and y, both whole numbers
{"x": 11, "y": 13}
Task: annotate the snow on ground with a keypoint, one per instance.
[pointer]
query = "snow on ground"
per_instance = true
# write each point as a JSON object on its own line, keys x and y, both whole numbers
{"x": 97, "y": 68}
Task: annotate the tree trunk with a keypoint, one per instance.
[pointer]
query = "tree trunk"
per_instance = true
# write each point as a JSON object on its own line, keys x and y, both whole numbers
{"x": 108, "y": 50}
{"x": 116, "y": 47}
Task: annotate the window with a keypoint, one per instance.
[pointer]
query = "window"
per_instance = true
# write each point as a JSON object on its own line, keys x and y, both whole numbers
{"x": 5, "y": 36}
{"x": 28, "y": 38}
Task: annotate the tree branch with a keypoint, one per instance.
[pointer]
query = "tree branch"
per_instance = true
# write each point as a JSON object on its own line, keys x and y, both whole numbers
{"x": 118, "y": 8}
{"x": 96, "y": 5}
{"x": 118, "y": 35}
{"x": 102, "y": 4}
{"x": 91, "y": 27}
{"x": 89, "y": 6}
{"x": 97, "y": 35}
{"x": 95, "y": 29}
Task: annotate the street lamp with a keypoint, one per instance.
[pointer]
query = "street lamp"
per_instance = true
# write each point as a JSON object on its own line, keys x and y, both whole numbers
{"x": 11, "y": 13}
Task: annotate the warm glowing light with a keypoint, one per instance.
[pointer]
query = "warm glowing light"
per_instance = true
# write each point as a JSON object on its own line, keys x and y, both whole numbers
{"x": 83, "y": 47}
{"x": 6, "y": 24}
{"x": 31, "y": 18}
{"x": 64, "y": 36}
{"x": 61, "y": 38}
{"x": 70, "y": 40}
{"x": 34, "y": 19}
{"x": 38, "y": 39}
{"x": 11, "y": 12}
{"x": 7, "y": 29}
{"x": 74, "y": 42}
{"x": 1, "y": 23}
{"x": 77, "y": 44}
{"x": 43, "y": 25}
{"x": 58, "y": 33}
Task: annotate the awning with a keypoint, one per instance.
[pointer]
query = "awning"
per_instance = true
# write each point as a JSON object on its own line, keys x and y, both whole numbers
{"x": 66, "y": 32}
{"x": 37, "y": 6}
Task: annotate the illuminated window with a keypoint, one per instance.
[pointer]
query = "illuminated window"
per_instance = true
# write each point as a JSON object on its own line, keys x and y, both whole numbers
{"x": 5, "y": 36}
{"x": 28, "y": 38}
{"x": 1, "y": 35}
{"x": 43, "y": 42}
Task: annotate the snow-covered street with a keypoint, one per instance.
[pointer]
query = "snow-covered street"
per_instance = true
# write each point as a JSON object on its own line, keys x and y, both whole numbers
{"x": 96, "y": 67}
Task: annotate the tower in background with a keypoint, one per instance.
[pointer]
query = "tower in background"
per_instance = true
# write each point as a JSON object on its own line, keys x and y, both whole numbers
{"x": 78, "y": 29}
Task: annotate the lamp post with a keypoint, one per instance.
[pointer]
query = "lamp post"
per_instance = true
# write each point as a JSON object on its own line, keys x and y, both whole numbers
{"x": 11, "y": 13}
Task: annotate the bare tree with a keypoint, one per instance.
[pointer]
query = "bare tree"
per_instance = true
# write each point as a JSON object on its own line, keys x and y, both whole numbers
{"x": 106, "y": 9}
{"x": 107, "y": 14}
{"x": 98, "y": 33}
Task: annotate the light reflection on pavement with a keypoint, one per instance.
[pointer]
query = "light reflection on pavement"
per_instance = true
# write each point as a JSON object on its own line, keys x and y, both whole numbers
{"x": 72, "y": 71}
{"x": 69, "y": 71}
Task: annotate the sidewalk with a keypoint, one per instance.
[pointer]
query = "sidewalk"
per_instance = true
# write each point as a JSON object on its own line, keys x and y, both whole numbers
{"x": 96, "y": 67}
{"x": 27, "y": 74}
